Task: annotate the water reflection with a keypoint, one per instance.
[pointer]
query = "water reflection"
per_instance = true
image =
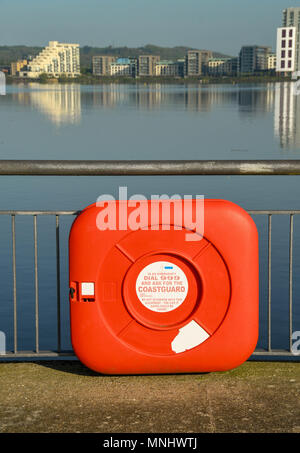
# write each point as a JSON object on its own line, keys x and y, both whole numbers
{"x": 62, "y": 104}
{"x": 160, "y": 96}
{"x": 254, "y": 101}
{"x": 287, "y": 116}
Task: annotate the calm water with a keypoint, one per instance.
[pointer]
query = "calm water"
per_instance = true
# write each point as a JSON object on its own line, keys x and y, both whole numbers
{"x": 142, "y": 122}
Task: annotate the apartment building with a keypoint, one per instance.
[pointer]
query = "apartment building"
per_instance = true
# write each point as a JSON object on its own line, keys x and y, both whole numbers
{"x": 253, "y": 59}
{"x": 197, "y": 62}
{"x": 272, "y": 60}
{"x": 222, "y": 66}
{"x": 170, "y": 68}
{"x": 56, "y": 59}
{"x": 286, "y": 49}
{"x": 147, "y": 65}
{"x": 102, "y": 64}
{"x": 124, "y": 66}
{"x": 291, "y": 18}
{"x": 16, "y": 67}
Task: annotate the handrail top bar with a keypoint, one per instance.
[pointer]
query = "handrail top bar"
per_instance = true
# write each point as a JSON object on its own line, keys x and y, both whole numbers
{"x": 15, "y": 212}
{"x": 148, "y": 167}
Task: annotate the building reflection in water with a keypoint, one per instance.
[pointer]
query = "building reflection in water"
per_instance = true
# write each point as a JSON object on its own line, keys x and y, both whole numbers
{"x": 287, "y": 116}
{"x": 154, "y": 96}
{"x": 250, "y": 101}
{"x": 256, "y": 100}
{"x": 60, "y": 103}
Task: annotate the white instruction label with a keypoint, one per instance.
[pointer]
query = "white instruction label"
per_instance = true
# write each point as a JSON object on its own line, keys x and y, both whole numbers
{"x": 162, "y": 286}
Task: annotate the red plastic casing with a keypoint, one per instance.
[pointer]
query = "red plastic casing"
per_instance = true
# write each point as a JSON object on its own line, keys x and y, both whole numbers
{"x": 112, "y": 332}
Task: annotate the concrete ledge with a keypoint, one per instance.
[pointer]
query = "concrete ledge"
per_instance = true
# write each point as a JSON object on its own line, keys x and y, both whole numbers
{"x": 64, "y": 396}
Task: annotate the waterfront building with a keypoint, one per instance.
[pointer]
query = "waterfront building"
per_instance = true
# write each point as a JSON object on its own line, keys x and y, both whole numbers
{"x": 56, "y": 59}
{"x": 121, "y": 67}
{"x": 147, "y": 65}
{"x": 286, "y": 49}
{"x": 222, "y": 66}
{"x": 108, "y": 65}
{"x": 180, "y": 67}
{"x": 288, "y": 42}
{"x": 16, "y": 67}
{"x": 272, "y": 59}
{"x": 134, "y": 66}
{"x": 170, "y": 68}
{"x": 102, "y": 64}
{"x": 253, "y": 59}
{"x": 196, "y": 62}
{"x": 291, "y": 18}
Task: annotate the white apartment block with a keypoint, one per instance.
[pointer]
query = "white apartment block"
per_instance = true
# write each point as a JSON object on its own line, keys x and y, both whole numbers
{"x": 56, "y": 59}
{"x": 120, "y": 69}
{"x": 286, "y": 49}
{"x": 291, "y": 18}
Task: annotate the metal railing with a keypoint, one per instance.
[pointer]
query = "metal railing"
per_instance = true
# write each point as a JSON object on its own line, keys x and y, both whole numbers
{"x": 148, "y": 167}
{"x": 144, "y": 168}
{"x": 291, "y": 215}
{"x": 37, "y": 352}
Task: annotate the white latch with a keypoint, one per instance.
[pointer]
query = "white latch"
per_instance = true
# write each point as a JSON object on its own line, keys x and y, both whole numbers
{"x": 87, "y": 289}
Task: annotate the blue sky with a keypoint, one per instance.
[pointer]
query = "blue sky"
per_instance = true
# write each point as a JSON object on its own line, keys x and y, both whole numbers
{"x": 221, "y": 25}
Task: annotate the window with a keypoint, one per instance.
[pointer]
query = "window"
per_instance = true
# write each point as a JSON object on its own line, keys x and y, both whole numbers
{"x": 291, "y": 33}
{"x": 282, "y": 63}
{"x": 283, "y": 43}
{"x": 283, "y": 54}
{"x": 290, "y": 43}
{"x": 283, "y": 33}
{"x": 289, "y": 63}
{"x": 290, "y": 53}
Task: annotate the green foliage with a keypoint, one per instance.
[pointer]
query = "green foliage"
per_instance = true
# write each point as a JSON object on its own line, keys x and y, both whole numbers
{"x": 85, "y": 70}
{"x": 8, "y": 54}
{"x": 63, "y": 78}
{"x": 44, "y": 78}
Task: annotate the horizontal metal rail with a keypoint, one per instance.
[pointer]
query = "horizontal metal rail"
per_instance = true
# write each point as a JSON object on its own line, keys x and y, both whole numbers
{"x": 37, "y": 353}
{"x": 148, "y": 167}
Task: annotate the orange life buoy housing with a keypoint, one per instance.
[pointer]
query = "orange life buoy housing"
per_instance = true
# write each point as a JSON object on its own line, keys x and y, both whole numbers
{"x": 149, "y": 301}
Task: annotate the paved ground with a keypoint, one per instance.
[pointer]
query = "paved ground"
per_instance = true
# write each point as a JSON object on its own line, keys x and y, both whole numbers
{"x": 64, "y": 396}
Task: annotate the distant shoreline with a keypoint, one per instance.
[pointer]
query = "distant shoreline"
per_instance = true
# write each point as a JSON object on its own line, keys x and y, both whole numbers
{"x": 94, "y": 80}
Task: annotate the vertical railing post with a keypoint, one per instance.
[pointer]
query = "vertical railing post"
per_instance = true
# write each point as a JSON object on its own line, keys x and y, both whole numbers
{"x": 269, "y": 281}
{"x": 58, "y": 284}
{"x": 291, "y": 281}
{"x": 13, "y": 229}
{"x": 36, "y": 283}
